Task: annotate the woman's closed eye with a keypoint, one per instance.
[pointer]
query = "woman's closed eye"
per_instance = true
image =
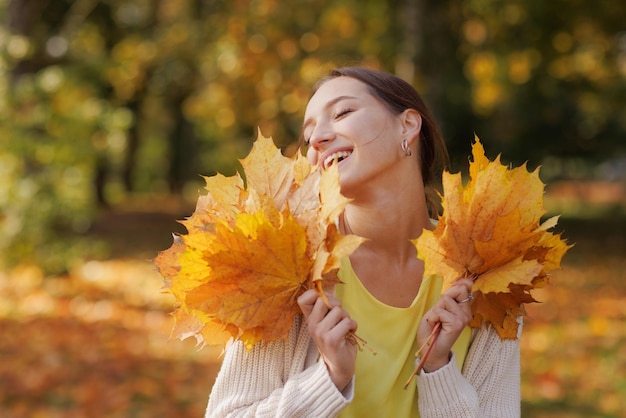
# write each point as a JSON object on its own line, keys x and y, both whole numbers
{"x": 342, "y": 113}
{"x": 337, "y": 116}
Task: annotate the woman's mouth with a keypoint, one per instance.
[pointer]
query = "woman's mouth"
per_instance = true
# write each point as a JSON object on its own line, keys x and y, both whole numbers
{"x": 337, "y": 156}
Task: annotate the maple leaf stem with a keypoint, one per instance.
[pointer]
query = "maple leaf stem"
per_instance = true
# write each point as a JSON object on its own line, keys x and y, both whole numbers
{"x": 359, "y": 342}
{"x": 320, "y": 291}
{"x": 432, "y": 336}
{"x": 430, "y": 343}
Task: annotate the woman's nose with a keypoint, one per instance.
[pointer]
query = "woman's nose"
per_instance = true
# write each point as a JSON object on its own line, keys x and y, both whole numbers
{"x": 321, "y": 135}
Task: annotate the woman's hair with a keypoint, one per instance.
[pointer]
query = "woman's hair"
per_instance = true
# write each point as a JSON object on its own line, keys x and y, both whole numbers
{"x": 398, "y": 95}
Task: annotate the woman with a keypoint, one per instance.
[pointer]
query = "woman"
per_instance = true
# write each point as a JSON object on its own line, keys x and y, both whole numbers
{"x": 380, "y": 133}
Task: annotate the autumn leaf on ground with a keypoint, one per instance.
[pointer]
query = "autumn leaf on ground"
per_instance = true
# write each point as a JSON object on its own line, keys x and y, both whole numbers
{"x": 251, "y": 250}
{"x": 491, "y": 230}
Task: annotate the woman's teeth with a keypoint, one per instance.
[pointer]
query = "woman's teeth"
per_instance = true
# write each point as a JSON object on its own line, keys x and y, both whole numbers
{"x": 339, "y": 156}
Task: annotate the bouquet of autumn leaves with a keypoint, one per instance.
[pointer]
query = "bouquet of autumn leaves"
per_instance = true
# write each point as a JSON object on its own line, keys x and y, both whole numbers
{"x": 491, "y": 231}
{"x": 254, "y": 244}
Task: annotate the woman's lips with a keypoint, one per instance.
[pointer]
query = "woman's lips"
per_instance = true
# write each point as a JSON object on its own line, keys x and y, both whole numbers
{"x": 336, "y": 156}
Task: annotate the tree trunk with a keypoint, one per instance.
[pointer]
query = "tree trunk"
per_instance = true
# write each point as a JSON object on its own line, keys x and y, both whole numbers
{"x": 130, "y": 156}
{"x": 182, "y": 149}
{"x": 430, "y": 58}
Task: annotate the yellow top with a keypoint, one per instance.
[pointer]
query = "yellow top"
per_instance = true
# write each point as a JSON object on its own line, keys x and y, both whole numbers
{"x": 391, "y": 332}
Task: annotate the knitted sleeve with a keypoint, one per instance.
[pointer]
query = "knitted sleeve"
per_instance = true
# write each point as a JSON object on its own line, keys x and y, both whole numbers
{"x": 489, "y": 386}
{"x": 280, "y": 379}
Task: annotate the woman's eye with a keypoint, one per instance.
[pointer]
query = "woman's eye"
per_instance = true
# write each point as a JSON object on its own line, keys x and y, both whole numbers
{"x": 342, "y": 113}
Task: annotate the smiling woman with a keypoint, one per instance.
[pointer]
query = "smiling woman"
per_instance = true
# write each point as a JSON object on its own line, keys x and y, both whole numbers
{"x": 344, "y": 119}
{"x": 396, "y": 96}
{"x": 379, "y": 132}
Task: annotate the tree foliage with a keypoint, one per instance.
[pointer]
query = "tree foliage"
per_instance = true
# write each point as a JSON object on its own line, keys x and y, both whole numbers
{"x": 548, "y": 78}
{"x": 106, "y": 98}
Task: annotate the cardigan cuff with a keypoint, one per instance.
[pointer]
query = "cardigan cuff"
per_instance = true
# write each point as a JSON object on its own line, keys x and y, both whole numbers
{"x": 319, "y": 388}
{"x": 446, "y": 388}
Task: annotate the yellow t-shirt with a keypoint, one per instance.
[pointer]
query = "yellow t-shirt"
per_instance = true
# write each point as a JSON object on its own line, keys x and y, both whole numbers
{"x": 391, "y": 332}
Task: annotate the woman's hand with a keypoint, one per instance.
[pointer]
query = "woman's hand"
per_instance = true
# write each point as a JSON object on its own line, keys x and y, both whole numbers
{"x": 454, "y": 313}
{"x": 328, "y": 329}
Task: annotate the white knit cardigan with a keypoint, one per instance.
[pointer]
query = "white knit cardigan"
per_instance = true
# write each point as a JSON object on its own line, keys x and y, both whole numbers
{"x": 288, "y": 379}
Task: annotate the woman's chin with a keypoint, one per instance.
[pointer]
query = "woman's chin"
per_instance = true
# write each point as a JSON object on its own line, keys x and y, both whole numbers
{"x": 346, "y": 186}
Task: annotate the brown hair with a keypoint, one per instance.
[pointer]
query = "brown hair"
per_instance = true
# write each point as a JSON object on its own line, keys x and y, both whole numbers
{"x": 398, "y": 95}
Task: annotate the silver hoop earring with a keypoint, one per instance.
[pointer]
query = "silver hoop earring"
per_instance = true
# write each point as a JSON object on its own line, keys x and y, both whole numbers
{"x": 405, "y": 147}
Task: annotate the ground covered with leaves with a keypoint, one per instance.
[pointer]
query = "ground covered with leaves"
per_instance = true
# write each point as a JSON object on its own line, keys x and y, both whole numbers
{"x": 94, "y": 342}
{"x": 574, "y": 341}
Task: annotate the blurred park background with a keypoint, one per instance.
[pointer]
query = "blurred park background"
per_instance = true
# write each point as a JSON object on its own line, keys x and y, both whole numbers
{"x": 110, "y": 110}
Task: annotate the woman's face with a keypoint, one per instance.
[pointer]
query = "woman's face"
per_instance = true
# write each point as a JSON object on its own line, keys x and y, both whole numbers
{"x": 345, "y": 124}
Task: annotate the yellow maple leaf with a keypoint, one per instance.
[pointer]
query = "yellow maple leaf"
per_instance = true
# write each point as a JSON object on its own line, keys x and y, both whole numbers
{"x": 275, "y": 255}
{"x": 490, "y": 230}
{"x": 266, "y": 172}
{"x": 252, "y": 247}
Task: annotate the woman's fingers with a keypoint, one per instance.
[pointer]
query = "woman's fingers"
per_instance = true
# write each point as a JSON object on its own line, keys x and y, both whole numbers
{"x": 328, "y": 323}
{"x": 333, "y": 328}
{"x": 453, "y": 313}
{"x": 461, "y": 289}
{"x": 328, "y": 327}
{"x": 308, "y": 299}
{"x": 331, "y": 324}
{"x": 450, "y": 312}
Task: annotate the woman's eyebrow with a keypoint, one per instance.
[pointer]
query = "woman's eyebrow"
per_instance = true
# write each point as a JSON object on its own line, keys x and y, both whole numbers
{"x": 328, "y": 105}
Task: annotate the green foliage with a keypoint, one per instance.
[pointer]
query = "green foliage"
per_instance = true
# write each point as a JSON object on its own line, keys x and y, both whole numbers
{"x": 47, "y": 125}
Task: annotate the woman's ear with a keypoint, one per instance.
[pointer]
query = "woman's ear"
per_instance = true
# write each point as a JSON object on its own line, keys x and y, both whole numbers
{"x": 411, "y": 125}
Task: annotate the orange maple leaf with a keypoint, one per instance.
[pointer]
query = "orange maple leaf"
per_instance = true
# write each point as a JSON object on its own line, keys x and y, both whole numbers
{"x": 251, "y": 250}
{"x": 491, "y": 230}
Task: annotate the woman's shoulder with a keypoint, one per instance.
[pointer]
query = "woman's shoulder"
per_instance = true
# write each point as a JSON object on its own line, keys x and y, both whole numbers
{"x": 297, "y": 346}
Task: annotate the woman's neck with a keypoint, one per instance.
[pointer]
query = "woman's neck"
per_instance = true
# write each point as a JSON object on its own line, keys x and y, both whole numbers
{"x": 389, "y": 223}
